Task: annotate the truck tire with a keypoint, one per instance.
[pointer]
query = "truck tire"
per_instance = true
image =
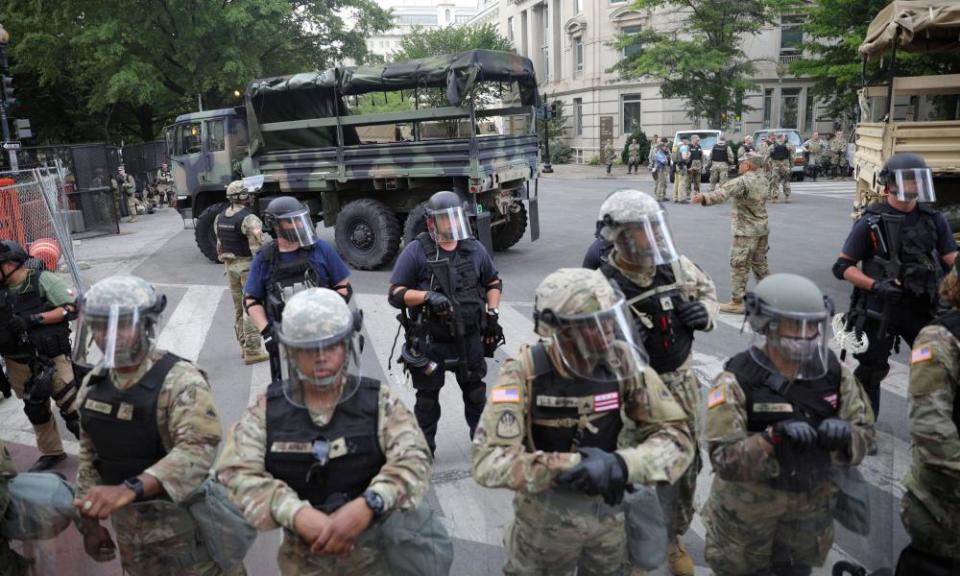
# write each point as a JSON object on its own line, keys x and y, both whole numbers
{"x": 415, "y": 223}
{"x": 203, "y": 232}
{"x": 510, "y": 232}
{"x": 367, "y": 234}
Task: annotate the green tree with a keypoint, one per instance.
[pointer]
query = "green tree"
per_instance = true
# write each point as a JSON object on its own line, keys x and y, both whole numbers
{"x": 833, "y": 33}
{"x": 704, "y": 62}
{"x": 135, "y": 64}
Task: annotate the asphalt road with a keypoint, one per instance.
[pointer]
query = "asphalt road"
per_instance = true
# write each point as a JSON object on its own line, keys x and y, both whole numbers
{"x": 805, "y": 239}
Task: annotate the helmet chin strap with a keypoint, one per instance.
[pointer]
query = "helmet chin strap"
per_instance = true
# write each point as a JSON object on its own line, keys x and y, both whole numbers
{"x": 4, "y": 276}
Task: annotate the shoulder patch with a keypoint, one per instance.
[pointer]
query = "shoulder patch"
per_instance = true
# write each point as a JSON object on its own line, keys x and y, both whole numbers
{"x": 505, "y": 394}
{"x": 922, "y": 353}
{"x": 716, "y": 396}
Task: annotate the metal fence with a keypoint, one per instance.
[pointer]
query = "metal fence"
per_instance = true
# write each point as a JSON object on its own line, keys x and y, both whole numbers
{"x": 143, "y": 160}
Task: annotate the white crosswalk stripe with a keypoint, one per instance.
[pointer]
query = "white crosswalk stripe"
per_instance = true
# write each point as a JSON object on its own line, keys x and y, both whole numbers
{"x": 825, "y": 187}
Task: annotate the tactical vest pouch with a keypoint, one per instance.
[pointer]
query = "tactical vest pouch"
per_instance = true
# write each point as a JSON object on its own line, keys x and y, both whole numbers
{"x": 415, "y": 542}
{"x": 159, "y": 524}
{"x": 851, "y": 503}
{"x": 226, "y": 533}
{"x": 40, "y": 508}
{"x": 646, "y": 528}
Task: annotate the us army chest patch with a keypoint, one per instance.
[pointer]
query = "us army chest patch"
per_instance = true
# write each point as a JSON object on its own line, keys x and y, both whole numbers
{"x": 775, "y": 407}
{"x": 97, "y": 406}
{"x": 508, "y": 427}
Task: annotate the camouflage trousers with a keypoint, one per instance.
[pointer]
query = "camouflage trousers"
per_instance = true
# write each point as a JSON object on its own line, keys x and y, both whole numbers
{"x": 719, "y": 174}
{"x": 681, "y": 189}
{"x": 693, "y": 178}
{"x": 295, "y": 559}
{"x": 661, "y": 177}
{"x": 926, "y": 533}
{"x": 779, "y": 175}
{"x": 160, "y": 538}
{"x": 247, "y": 334}
{"x": 748, "y": 253}
{"x": 48, "y": 437}
{"x": 559, "y": 533}
{"x": 134, "y": 206}
{"x": 677, "y": 499}
{"x": 751, "y": 526}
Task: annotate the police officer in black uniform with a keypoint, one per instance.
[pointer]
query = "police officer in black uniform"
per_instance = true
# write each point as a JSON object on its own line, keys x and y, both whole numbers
{"x": 448, "y": 292}
{"x": 35, "y": 310}
{"x": 903, "y": 245}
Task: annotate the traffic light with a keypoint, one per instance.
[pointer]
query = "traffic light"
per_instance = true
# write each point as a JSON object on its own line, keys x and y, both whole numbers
{"x": 553, "y": 109}
{"x": 8, "y": 96}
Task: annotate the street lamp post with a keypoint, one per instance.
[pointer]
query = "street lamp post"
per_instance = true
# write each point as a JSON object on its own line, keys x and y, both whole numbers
{"x": 547, "y": 115}
{"x": 5, "y": 69}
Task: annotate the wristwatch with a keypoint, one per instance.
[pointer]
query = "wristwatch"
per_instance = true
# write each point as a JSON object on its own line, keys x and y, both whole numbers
{"x": 374, "y": 502}
{"x": 493, "y": 311}
{"x": 136, "y": 485}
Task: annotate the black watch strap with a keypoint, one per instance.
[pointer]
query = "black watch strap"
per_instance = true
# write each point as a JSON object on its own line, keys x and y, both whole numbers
{"x": 136, "y": 485}
{"x": 375, "y": 502}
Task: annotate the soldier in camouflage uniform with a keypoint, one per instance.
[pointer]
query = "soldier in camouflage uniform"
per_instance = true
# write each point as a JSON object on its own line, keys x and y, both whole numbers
{"x": 720, "y": 158}
{"x": 11, "y": 563}
{"x": 930, "y": 509}
{"x": 669, "y": 297}
{"x": 750, "y": 228}
{"x": 838, "y": 152}
{"x": 681, "y": 192}
{"x": 746, "y": 149}
{"x": 814, "y": 149}
{"x": 324, "y": 453}
{"x": 165, "y": 185}
{"x": 779, "y": 417}
{"x": 633, "y": 156}
{"x": 149, "y": 435}
{"x": 661, "y": 167}
{"x": 550, "y": 430}
{"x": 651, "y": 155}
{"x": 609, "y": 155}
{"x": 779, "y": 158}
{"x": 239, "y": 237}
{"x": 694, "y": 168}
{"x": 127, "y": 186}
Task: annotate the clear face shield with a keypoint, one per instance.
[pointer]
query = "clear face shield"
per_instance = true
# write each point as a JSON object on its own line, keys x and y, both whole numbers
{"x": 116, "y": 338}
{"x": 297, "y": 228}
{"x": 448, "y": 225}
{"x": 320, "y": 374}
{"x": 914, "y": 184}
{"x": 793, "y": 346}
{"x": 600, "y": 346}
{"x": 646, "y": 242}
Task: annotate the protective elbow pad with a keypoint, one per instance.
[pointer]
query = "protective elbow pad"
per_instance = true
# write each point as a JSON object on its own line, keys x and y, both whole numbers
{"x": 249, "y": 303}
{"x": 348, "y": 288}
{"x": 840, "y": 266}
{"x": 498, "y": 285}
{"x": 395, "y": 298}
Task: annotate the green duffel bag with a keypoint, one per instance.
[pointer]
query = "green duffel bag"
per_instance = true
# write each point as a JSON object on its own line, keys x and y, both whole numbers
{"x": 416, "y": 543}
{"x": 40, "y": 507}
{"x": 226, "y": 534}
{"x": 646, "y": 528}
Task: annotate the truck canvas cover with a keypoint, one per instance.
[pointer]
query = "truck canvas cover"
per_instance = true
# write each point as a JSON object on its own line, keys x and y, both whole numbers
{"x": 923, "y": 25}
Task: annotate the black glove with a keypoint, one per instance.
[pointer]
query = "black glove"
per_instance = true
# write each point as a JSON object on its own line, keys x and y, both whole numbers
{"x": 268, "y": 334}
{"x": 798, "y": 432}
{"x": 694, "y": 315}
{"x": 888, "y": 289}
{"x": 834, "y": 434}
{"x": 438, "y": 303}
{"x": 599, "y": 472}
{"x": 20, "y": 323}
{"x": 492, "y": 335}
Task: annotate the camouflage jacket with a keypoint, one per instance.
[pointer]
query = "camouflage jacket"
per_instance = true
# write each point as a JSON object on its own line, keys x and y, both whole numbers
{"x": 838, "y": 146}
{"x": 934, "y": 477}
{"x": 768, "y": 150}
{"x": 656, "y": 444}
{"x": 749, "y": 193}
{"x": 251, "y": 227}
{"x": 164, "y": 179}
{"x": 7, "y": 471}
{"x": 633, "y": 152}
{"x": 268, "y": 503}
{"x": 127, "y": 184}
{"x": 740, "y": 456}
{"x": 814, "y": 147}
{"x": 188, "y": 424}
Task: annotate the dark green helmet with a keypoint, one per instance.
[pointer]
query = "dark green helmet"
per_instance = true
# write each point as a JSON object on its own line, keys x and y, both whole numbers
{"x": 443, "y": 200}
{"x": 785, "y": 295}
{"x": 12, "y": 251}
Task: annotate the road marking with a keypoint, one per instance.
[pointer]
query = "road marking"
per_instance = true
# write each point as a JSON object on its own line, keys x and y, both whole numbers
{"x": 186, "y": 330}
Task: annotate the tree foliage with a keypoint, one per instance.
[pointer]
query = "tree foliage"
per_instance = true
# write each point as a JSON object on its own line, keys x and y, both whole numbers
{"x": 704, "y": 62}
{"x": 135, "y": 64}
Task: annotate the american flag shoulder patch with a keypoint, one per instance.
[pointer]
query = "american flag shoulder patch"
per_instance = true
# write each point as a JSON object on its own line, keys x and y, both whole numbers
{"x": 921, "y": 354}
{"x": 502, "y": 394}
{"x": 716, "y": 396}
{"x": 605, "y": 402}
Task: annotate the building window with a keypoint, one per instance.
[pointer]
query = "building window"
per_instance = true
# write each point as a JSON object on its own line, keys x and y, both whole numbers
{"x": 446, "y": 16}
{"x": 510, "y": 28}
{"x": 809, "y": 115}
{"x": 633, "y": 49}
{"x": 462, "y": 19}
{"x": 767, "y": 107}
{"x": 631, "y": 113}
{"x": 577, "y": 57}
{"x": 790, "y": 108}
{"x": 578, "y": 116}
{"x": 577, "y": 6}
{"x": 791, "y": 37}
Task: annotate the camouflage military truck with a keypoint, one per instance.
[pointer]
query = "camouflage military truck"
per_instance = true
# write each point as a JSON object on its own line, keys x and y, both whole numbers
{"x": 917, "y": 114}
{"x": 369, "y": 175}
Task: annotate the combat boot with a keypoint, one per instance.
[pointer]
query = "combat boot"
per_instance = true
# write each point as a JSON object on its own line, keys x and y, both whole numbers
{"x": 254, "y": 356}
{"x": 733, "y": 307}
{"x": 679, "y": 561}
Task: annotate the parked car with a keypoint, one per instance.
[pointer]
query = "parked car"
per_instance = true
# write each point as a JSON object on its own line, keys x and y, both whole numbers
{"x": 793, "y": 137}
{"x": 707, "y": 139}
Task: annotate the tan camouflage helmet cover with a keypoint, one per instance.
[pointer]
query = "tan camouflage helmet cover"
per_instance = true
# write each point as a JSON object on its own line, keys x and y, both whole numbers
{"x": 316, "y": 315}
{"x": 571, "y": 291}
{"x": 626, "y": 205}
{"x": 236, "y": 190}
{"x": 753, "y": 160}
{"x": 125, "y": 292}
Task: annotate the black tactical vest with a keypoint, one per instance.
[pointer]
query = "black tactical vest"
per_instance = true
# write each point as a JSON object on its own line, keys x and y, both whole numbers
{"x": 810, "y": 400}
{"x": 47, "y": 339}
{"x": 123, "y": 423}
{"x": 780, "y": 152}
{"x": 669, "y": 341}
{"x": 696, "y": 153}
{"x": 719, "y": 153}
{"x": 748, "y": 150}
{"x": 465, "y": 282}
{"x": 284, "y": 275}
{"x": 568, "y": 414}
{"x": 231, "y": 239}
{"x": 920, "y": 270}
{"x": 951, "y": 321}
{"x": 327, "y": 465}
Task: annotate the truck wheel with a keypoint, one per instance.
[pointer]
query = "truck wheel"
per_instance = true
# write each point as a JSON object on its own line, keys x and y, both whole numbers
{"x": 510, "y": 232}
{"x": 203, "y": 232}
{"x": 415, "y": 223}
{"x": 367, "y": 234}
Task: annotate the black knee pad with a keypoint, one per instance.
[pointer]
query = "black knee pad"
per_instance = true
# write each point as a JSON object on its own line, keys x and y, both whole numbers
{"x": 427, "y": 399}
{"x": 37, "y": 411}
{"x": 786, "y": 569}
{"x": 914, "y": 561}
{"x": 477, "y": 393}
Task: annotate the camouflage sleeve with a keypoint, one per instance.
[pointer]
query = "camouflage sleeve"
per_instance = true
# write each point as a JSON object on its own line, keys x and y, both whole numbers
{"x": 720, "y": 195}
{"x": 252, "y": 228}
{"x": 190, "y": 431}
{"x": 405, "y": 477}
{"x": 663, "y": 445}
{"x": 855, "y": 408}
{"x": 499, "y": 457}
{"x": 87, "y": 475}
{"x": 703, "y": 290}
{"x": 266, "y": 502}
{"x": 934, "y": 373}
{"x": 736, "y": 455}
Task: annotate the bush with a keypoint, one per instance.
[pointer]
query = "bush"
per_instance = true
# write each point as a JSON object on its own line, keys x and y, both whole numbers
{"x": 644, "y": 147}
{"x": 735, "y": 147}
{"x": 594, "y": 160}
{"x": 560, "y": 153}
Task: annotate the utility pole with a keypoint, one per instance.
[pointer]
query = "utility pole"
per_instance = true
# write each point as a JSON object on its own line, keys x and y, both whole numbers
{"x": 547, "y": 116}
{"x": 7, "y": 90}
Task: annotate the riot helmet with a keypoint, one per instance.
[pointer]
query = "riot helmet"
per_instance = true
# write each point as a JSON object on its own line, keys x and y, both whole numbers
{"x": 446, "y": 220}
{"x": 320, "y": 339}
{"x": 585, "y": 320}
{"x": 908, "y": 178}
{"x": 789, "y": 316}
{"x": 11, "y": 251}
{"x": 117, "y": 322}
{"x": 637, "y": 226}
{"x": 290, "y": 219}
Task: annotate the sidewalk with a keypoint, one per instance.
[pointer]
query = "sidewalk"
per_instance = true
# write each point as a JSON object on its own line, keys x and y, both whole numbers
{"x": 587, "y": 172}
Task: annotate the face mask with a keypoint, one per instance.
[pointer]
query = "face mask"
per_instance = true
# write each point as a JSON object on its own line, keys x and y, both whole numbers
{"x": 799, "y": 348}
